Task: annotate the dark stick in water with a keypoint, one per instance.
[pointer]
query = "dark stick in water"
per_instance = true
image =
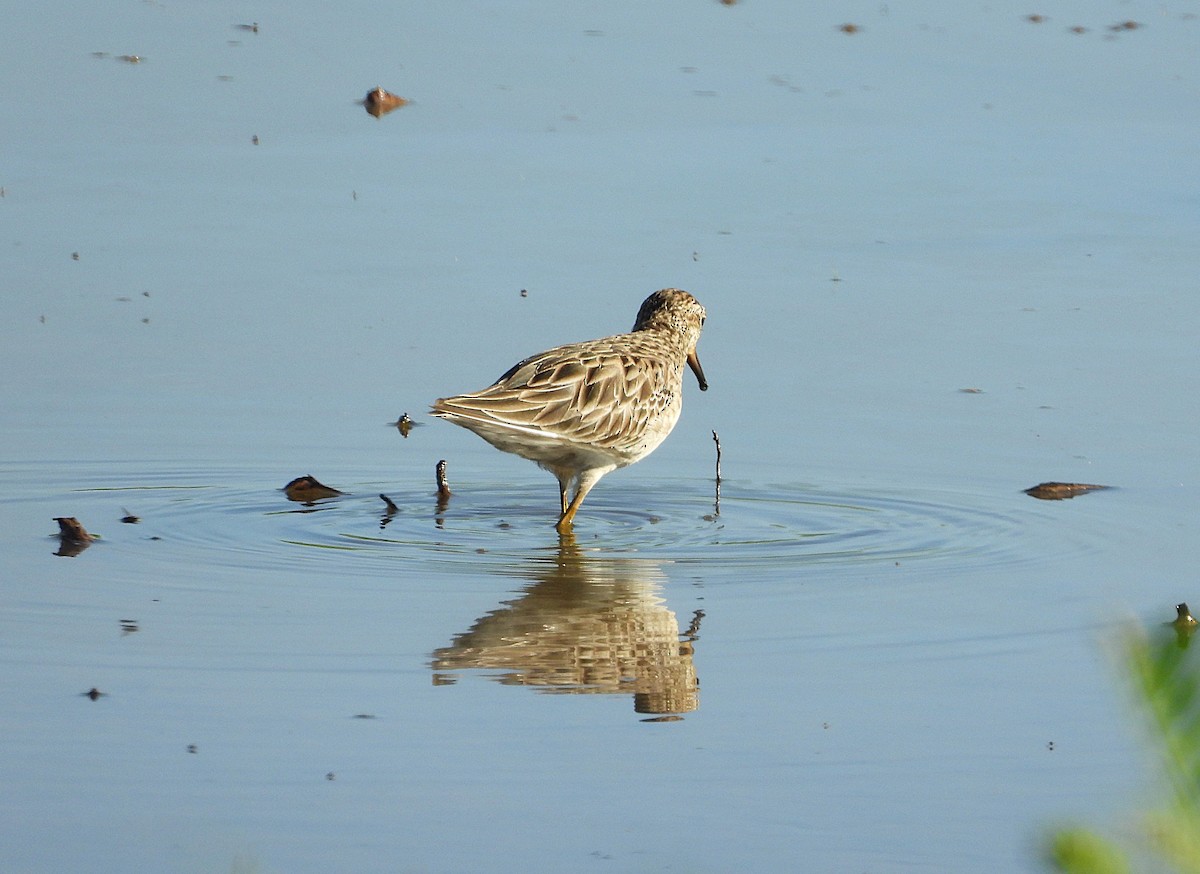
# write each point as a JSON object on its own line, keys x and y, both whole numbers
{"x": 717, "y": 505}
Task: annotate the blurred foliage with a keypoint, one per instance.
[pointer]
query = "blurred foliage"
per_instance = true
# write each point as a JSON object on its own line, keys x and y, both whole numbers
{"x": 1165, "y": 677}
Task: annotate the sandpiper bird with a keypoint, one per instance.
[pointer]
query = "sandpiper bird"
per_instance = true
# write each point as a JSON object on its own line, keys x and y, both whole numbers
{"x": 585, "y": 409}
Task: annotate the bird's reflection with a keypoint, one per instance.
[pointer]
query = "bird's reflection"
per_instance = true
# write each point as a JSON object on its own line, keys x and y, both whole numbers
{"x": 584, "y": 624}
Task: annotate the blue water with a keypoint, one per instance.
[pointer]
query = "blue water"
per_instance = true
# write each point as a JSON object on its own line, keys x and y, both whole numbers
{"x": 875, "y": 653}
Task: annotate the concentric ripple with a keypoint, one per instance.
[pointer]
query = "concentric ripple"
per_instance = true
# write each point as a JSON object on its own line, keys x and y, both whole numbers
{"x": 493, "y": 524}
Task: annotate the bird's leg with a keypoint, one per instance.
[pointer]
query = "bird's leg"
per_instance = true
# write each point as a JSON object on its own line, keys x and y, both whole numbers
{"x": 563, "y": 483}
{"x": 587, "y": 479}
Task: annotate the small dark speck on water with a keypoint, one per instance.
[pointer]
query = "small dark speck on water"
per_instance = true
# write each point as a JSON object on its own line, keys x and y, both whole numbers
{"x": 404, "y": 424}
{"x": 94, "y": 693}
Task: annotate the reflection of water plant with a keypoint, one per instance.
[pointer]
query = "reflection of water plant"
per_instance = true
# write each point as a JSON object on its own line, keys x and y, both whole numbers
{"x": 1166, "y": 681}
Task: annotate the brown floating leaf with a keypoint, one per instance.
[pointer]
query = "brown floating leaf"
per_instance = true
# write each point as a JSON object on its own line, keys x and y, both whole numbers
{"x": 71, "y": 529}
{"x": 379, "y": 102}
{"x": 306, "y": 489}
{"x": 1061, "y": 491}
{"x": 849, "y": 28}
{"x": 73, "y": 537}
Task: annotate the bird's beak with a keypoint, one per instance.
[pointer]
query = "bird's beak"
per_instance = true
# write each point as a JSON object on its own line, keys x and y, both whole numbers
{"x": 693, "y": 361}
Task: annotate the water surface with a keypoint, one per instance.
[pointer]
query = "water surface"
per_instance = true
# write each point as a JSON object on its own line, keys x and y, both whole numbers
{"x": 874, "y": 653}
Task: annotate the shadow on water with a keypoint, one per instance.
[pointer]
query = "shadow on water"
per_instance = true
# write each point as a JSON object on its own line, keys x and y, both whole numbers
{"x": 584, "y": 624}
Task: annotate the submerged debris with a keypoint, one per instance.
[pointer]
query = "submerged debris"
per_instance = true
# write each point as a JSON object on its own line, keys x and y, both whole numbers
{"x": 404, "y": 424}
{"x": 1061, "y": 491}
{"x": 1184, "y": 624}
{"x": 1183, "y": 616}
{"x": 306, "y": 489}
{"x": 379, "y": 102}
{"x": 390, "y": 510}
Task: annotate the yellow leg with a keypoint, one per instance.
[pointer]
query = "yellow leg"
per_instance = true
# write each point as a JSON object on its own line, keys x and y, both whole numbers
{"x": 586, "y": 481}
